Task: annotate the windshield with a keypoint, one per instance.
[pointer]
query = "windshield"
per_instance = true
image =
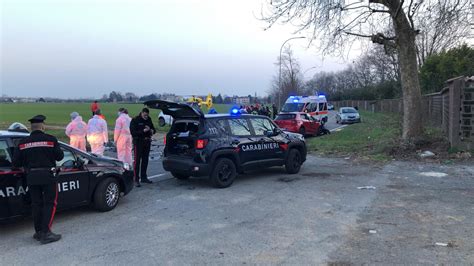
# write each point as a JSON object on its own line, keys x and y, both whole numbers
{"x": 293, "y": 107}
{"x": 285, "y": 117}
{"x": 348, "y": 111}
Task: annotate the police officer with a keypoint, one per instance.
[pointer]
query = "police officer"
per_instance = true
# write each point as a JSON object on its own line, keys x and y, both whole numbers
{"x": 142, "y": 129}
{"x": 38, "y": 154}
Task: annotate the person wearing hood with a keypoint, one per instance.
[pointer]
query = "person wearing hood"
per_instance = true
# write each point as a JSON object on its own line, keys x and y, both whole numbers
{"x": 97, "y": 134}
{"x": 76, "y": 130}
{"x": 122, "y": 136}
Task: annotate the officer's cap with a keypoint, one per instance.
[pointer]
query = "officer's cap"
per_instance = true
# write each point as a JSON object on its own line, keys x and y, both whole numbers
{"x": 37, "y": 119}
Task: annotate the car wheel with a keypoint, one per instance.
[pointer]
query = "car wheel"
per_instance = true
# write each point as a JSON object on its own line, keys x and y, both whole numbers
{"x": 224, "y": 173}
{"x": 293, "y": 162}
{"x": 302, "y": 131}
{"x": 107, "y": 195}
{"x": 161, "y": 122}
{"x": 180, "y": 176}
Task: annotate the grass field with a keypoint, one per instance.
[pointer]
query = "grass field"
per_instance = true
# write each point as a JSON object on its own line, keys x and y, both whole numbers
{"x": 58, "y": 114}
{"x": 373, "y": 138}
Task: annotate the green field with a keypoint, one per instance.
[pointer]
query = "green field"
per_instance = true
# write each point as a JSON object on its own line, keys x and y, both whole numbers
{"x": 58, "y": 113}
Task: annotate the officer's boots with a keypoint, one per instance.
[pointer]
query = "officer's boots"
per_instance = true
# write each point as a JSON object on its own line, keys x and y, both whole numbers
{"x": 49, "y": 237}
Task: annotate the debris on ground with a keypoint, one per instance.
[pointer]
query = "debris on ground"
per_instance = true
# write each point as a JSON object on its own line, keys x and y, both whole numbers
{"x": 449, "y": 244}
{"x": 427, "y": 154}
{"x": 433, "y": 174}
{"x": 366, "y": 187}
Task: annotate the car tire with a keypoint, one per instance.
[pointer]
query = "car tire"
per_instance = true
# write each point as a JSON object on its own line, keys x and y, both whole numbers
{"x": 224, "y": 173}
{"x": 180, "y": 176}
{"x": 302, "y": 131}
{"x": 161, "y": 122}
{"x": 293, "y": 162}
{"x": 107, "y": 195}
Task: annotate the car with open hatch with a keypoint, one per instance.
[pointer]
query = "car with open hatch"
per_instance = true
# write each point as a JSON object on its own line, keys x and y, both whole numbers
{"x": 83, "y": 179}
{"x": 222, "y": 145}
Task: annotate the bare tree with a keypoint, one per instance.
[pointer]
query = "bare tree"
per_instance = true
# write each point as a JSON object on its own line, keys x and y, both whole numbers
{"x": 291, "y": 78}
{"x": 335, "y": 24}
{"x": 443, "y": 25}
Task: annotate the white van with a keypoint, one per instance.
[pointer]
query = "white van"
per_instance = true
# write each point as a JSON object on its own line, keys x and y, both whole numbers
{"x": 316, "y": 106}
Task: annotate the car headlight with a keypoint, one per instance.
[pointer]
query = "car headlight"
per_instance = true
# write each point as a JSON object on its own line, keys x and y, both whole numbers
{"x": 126, "y": 166}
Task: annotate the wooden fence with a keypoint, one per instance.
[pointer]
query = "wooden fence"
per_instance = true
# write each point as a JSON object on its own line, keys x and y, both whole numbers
{"x": 452, "y": 109}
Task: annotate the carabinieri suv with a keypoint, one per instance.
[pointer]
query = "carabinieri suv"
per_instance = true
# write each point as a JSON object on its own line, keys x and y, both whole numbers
{"x": 222, "y": 145}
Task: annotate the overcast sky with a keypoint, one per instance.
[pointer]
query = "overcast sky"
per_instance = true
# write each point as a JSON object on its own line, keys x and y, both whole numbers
{"x": 86, "y": 48}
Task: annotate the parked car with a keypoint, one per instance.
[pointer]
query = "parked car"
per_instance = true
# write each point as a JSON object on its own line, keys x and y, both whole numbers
{"x": 222, "y": 145}
{"x": 297, "y": 122}
{"x": 84, "y": 179}
{"x": 347, "y": 115}
{"x": 330, "y": 106}
{"x": 164, "y": 119}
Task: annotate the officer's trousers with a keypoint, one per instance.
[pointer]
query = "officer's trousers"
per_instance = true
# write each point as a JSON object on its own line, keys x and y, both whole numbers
{"x": 44, "y": 199}
{"x": 141, "y": 152}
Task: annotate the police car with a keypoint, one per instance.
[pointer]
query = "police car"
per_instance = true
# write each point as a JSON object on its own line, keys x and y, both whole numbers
{"x": 83, "y": 179}
{"x": 222, "y": 145}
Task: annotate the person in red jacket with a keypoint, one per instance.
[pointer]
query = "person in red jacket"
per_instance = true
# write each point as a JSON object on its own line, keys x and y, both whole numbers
{"x": 94, "y": 107}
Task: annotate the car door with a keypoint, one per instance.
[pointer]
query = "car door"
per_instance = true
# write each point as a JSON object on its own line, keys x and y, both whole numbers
{"x": 306, "y": 123}
{"x": 73, "y": 180}
{"x": 14, "y": 199}
{"x": 242, "y": 138}
{"x": 267, "y": 146}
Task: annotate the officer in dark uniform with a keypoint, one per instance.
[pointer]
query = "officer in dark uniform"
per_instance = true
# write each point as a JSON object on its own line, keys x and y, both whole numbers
{"x": 38, "y": 154}
{"x": 142, "y": 129}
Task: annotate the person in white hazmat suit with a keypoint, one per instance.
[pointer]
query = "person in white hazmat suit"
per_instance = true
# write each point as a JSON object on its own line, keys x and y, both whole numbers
{"x": 97, "y": 134}
{"x": 76, "y": 130}
{"x": 122, "y": 137}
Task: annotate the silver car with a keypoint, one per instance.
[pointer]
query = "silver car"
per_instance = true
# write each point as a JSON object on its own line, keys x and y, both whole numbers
{"x": 347, "y": 115}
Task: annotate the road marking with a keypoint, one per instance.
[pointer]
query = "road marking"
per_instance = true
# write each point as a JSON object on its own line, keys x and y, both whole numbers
{"x": 338, "y": 128}
{"x": 155, "y": 176}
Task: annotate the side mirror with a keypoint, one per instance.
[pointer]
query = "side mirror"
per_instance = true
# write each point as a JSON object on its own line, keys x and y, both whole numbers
{"x": 79, "y": 164}
{"x": 269, "y": 133}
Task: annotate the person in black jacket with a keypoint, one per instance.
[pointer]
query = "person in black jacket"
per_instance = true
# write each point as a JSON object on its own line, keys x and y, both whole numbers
{"x": 142, "y": 129}
{"x": 38, "y": 154}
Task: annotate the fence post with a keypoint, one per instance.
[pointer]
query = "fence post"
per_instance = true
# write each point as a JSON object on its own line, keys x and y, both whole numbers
{"x": 456, "y": 87}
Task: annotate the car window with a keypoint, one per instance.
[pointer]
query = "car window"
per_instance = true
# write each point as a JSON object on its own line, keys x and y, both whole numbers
{"x": 321, "y": 106}
{"x": 261, "y": 126}
{"x": 304, "y": 116}
{"x": 5, "y": 159}
{"x": 239, "y": 127}
{"x": 68, "y": 160}
{"x": 285, "y": 116}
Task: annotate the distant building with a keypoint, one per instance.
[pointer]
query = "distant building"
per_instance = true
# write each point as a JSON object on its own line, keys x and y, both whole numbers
{"x": 245, "y": 100}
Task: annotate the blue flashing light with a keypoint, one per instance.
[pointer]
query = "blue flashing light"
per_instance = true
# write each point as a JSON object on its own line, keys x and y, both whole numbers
{"x": 292, "y": 97}
{"x": 295, "y": 100}
{"x": 235, "y": 111}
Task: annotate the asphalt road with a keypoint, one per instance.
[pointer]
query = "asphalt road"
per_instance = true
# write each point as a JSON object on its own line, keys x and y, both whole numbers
{"x": 269, "y": 217}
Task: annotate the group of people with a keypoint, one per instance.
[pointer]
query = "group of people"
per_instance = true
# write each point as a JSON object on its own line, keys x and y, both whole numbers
{"x": 258, "y": 109}
{"x": 129, "y": 135}
{"x": 39, "y": 152}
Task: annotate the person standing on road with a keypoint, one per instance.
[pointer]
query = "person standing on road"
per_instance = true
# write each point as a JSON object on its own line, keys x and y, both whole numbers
{"x": 274, "y": 111}
{"x": 123, "y": 137}
{"x": 76, "y": 130}
{"x": 97, "y": 134}
{"x": 38, "y": 154}
{"x": 142, "y": 130}
{"x": 94, "y": 107}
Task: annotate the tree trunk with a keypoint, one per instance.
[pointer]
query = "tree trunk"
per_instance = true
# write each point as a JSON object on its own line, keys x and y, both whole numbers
{"x": 412, "y": 121}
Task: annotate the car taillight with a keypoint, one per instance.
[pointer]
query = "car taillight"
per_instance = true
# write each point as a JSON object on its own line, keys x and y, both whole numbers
{"x": 201, "y": 143}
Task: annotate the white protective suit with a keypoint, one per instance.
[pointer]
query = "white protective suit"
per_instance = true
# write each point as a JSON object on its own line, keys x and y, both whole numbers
{"x": 97, "y": 134}
{"x": 76, "y": 130}
{"x": 123, "y": 138}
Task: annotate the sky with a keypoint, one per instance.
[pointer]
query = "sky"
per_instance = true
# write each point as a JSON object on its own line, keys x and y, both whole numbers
{"x": 87, "y": 48}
